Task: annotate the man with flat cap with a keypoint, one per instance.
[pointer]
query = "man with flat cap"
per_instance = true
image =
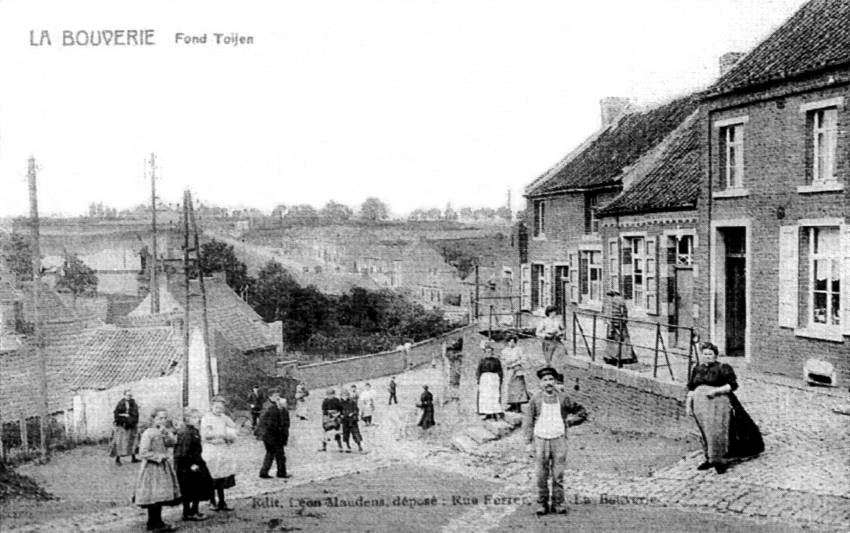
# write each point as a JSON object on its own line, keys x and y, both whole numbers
{"x": 549, "y": 414}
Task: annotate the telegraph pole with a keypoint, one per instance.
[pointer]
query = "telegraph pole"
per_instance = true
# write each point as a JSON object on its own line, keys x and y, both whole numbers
{"x": 154, "y": 283}
{"x": 186, "y": 275}
{"x": 207, "y": 341}
{"x": 37, "y": 330}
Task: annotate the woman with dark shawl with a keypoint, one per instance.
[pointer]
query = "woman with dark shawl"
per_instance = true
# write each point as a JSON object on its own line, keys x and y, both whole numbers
{"x": 727, "y": 430}
{"x": 426, "y": 403}
{"x": 125, "y": 433}
{"x": 192, "y": 472}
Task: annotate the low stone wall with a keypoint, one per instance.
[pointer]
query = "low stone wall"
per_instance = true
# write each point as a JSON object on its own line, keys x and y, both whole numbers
{"x": 370, "y": 366}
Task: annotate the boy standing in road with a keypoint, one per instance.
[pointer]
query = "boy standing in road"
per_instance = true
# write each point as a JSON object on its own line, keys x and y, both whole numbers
{"x": 549, "y": 414}
{"x": 274, "y": 430}
{"x": 391, "y": 390}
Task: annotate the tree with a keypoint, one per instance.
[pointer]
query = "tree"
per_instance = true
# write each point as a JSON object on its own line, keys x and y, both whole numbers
{"x": 217, "y": 256}
{"x": 335, "y": 213}
{"x": 504, "y": 212}
{"x": 302, "y": 214}
{"x": 433, "y": 214}
{"x": 466, "y": 213}
{"x": 417, "y": 214}
{"x": 374, "y": 210}
{"x": 449, "y": 213}
{"x": 77, "y": 277}
{"x": 17, "y": 254}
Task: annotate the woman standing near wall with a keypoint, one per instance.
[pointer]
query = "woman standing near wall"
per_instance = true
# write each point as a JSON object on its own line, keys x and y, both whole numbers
{"x": 219, "y": 432}
{"x": 727, "y": 430}
{"x": 517, "y": 393}
{"x": 125, "y": 432}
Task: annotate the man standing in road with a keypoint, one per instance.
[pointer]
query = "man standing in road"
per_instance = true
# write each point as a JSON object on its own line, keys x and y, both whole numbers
{"x": 549, "y": 414}
{"x": 255, "y": 403}
{"x": 391, "y": 390}
{"x": 274, "y": 430}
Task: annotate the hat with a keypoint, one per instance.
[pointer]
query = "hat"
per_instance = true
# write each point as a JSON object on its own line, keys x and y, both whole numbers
{"x": 613, "y": 292}
{"x": 550, "y": 309}
{"x": 549, "y": 371}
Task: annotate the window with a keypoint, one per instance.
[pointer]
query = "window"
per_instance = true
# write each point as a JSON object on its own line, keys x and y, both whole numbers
{"x": 824, "y": 277}
{"x": 823, "y": 126}
{"x": 591, "y": 222}
{"x": 539, "y": 218}
{"x": 732, "y": 156}
{"x": 685, "y": 251}
{"x": 525, "y": 287}
{"x": 591, "y": 276}
{"x": 640, "y": 279}
{"x": 572, "y": 276}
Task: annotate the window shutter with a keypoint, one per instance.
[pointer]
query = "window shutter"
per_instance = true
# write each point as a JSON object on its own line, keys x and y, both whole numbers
{"x": 651, "y": 276}
{"x": 573, "y": 286}
{"x": 547, "y": 286}
{"x": 627, "y": 252}
{"x": 525, "y": 287}
{"x": 613, "y": 265}
{"x": 845, "y": 278}
{"x": 587, "y": 225}
{"x": 789, "y": 243}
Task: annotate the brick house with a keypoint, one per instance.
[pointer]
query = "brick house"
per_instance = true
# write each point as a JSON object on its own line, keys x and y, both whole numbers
{"x": 562, "y": 258}
{"x": 649, "y": 233}
{"x": 775, "y": 200}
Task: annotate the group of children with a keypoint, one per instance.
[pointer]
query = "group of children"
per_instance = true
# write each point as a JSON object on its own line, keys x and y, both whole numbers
{"x": 184, "y": 467}
{"x": 341, "y": 416}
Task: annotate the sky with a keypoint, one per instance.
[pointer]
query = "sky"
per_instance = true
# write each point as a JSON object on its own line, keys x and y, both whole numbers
{"x": 419, "y": 103}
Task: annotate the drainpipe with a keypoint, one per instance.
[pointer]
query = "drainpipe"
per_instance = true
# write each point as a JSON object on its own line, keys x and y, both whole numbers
{"x": 712, "y": 303}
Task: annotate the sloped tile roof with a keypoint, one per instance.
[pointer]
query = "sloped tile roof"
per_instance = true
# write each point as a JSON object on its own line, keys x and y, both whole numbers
{"x": 227, "y": 312}
{"x": 112, "y": 356}
{"x": 619, "y": 146}
{"x": 670, "y": 181}
{"x": 816, "y": 37}
{"x": 50, "y": 305}
{"x": 20, "y": 386}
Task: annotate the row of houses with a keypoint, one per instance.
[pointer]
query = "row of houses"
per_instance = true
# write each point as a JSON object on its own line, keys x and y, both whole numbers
{"x": 726, "y": 210}
{"x": 90, "y": 363}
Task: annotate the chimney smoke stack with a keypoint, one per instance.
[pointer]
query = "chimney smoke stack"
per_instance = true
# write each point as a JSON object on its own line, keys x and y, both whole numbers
{"x": 728, "y": 60}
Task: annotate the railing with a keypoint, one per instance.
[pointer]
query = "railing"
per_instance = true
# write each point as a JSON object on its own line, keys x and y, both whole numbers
{"x": 617, "y": 330}
{"x": 501, "y": 306}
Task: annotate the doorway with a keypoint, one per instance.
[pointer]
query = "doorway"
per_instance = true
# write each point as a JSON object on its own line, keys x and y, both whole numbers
{"x": 734, "y": 292}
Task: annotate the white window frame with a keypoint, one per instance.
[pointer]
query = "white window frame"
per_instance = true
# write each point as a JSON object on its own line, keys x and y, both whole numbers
{"x": 831, "y": 257}
{"x": 733, "y": 168}
{"x": 824, "y": 137}
{"x": 592, "y": 205}
{"x": 525, "y": 286}
{"x": 587, "y": 297}
{"x": 541, "y": 282}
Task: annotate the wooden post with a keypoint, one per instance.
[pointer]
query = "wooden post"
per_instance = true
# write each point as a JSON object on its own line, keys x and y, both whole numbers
{"x": 593, "y": 353}
{"x": 655, "y": 361}
{"x": 154, "y": 280}
{"x": 186, "y": 303}
{"x": 38, "y": 334}
{"x": 207, "y": 343}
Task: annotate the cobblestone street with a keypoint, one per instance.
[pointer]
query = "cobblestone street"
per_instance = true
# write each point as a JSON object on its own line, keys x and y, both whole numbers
{"x": 801, "y": 479}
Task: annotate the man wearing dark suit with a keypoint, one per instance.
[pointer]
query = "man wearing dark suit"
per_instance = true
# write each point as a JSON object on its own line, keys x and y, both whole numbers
{"x": 255, "y": 402}
{"x": 274, "y": 430}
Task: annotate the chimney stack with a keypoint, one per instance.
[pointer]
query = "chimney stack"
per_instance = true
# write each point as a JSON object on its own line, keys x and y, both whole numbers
{"x": 612, "y": 108}
{"x": 728, "y": 60}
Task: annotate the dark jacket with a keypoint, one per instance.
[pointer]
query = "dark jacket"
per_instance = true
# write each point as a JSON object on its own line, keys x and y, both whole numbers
{"x": 256, "y": 401}
{"x": 350, "y": 412}
{"x": 571, "y": 412}
{"x": 274, "y": 426}
{"x": 131, "y": 410}
{"x": 490, "y": 364}
{"x": 194, "y": 484}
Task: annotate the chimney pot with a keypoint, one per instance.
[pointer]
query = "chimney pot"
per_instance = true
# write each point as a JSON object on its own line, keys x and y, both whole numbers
{"x": 728, "y": 60}
{"x": 612, "y": 107}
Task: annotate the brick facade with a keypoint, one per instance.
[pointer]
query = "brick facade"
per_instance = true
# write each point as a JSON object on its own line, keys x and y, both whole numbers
{"x": 777, "y": 136}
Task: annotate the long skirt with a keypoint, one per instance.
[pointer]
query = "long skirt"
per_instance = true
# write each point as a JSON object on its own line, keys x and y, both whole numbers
{"x": 517, "y": 390}
{"x": 489, "y": 395}
{"x": 713, "y": 416}
{"x": 124, "y": 441}
{"x": 427, "y": 418}
{"x": 301, "y": 408}
{"x": 744, "y": 436}
{"x": 219, "y": 459}
{"x": 157, "y": 484}
{"x": 195, "y": 485}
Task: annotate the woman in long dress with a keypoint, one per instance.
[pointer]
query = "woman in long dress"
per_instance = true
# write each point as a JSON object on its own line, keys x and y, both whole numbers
{"x": 490, "y": 385}
{"x": 517, "y": 392}
{"x": 192, "y": 473}
{"x": 727, "y": 430}
{"x": 219, "y": 433}
{"x": 367, "y": 404}
{"x": 426, "y": 403}
{"x": 157, "y": 482}
{"x": 125, "y": 433}
{"x": 301, "y": 394}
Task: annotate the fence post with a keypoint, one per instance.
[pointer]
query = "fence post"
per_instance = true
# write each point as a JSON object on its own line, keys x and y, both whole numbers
{"x": 574, "y": 333}
{"x": 690, "y": 353}
{"x": 490, "y": 324}
{"x": 593, "y": 352}
{"x": 655, "y": 361}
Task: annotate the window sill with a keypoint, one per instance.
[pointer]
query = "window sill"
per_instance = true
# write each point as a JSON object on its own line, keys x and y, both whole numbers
{"x": 590, "y": 237}
{"x": 731, "y": 193}
{"x": 591, "y": 306}
{"x": 539, "y": 238}
{"x": 829, "y": 186}
{"x": 820, "y": 334}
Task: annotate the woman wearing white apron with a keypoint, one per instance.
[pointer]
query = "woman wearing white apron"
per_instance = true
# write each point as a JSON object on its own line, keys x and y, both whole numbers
{"x": 219, "y": 433}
